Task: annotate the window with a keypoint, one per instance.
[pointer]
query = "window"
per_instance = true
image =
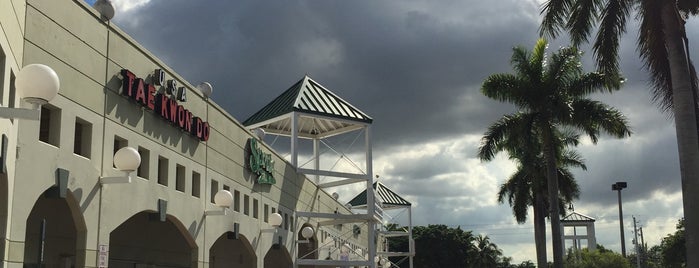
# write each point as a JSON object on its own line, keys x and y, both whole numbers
{"x": 196, "y": 182}
{"x": 163, "y": 164}
{"x": 236, "y": 201}
{"x": 82, "y": 144}
{"x": 274, "y": 210}
{"x": 13, "y": 91}
{"x": 226, "y": 187}
{"x": 144, "y": 168}
{"x": 119, "y": 143}
{"x": 265, "y": 214}
{"x": 214, "y": 189}
{"x": 255, "y": 212}
{"x": 50, "y": 125}
{"x": 246, "y": 205}
{"x": 179, "y": 178}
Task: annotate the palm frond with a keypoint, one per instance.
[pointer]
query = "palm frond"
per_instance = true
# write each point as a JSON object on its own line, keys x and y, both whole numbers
{"x": 593, "y": 82}
{"x": 651, "y": 47}
{"x": 583, "y": 15}
{"x": 612, "y": 26}
{"x": 572, "y": 158}
{"x": 555, "y": 13}
{"x": 505, "y": 88}
{"x": 592, "y": 116}
{"x": 497, "y": 133}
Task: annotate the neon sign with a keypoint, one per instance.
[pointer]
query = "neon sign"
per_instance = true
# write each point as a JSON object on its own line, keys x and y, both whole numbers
{"x": 164, "y": 104}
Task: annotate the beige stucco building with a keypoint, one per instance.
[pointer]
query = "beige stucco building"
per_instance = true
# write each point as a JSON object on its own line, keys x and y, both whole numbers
{"x": 55, "y": 211}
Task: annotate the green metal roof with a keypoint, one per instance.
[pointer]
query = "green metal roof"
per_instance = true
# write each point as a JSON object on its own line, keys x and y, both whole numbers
{"x": 311, "y": 99}
{"x": 577, "y": 217}
{"x": 383, "y": 194}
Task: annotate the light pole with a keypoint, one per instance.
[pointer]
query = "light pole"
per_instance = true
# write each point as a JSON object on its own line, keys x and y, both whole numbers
{"x": 617, "y": 187}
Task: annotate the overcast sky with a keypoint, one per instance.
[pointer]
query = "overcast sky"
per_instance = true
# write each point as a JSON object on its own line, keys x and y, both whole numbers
{"x": 416, "y": 67}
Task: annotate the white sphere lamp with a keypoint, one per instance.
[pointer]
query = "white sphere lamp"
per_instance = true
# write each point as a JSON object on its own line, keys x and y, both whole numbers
{"x": 275, "y": 219}
{"x": 259, "y": 133}
{"x": 345, "y": 248}
{"x": 206, "y": 89}
{"x": 127, "y": 159}
{"x": 37, "y": 83}
{"x": 105, "y": 8}
{"x": 223, "y": 198}
{"x": 307, "y": 232}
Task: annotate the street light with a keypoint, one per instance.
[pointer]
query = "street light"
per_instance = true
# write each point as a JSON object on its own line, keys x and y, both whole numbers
{"x": 126, "y": 160}
{"x": 617, "y": 187}
{"x": 37, "y": 85}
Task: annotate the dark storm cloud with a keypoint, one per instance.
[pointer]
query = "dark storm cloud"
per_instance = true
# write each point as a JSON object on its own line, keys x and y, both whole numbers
{"x": 414, "y": 67}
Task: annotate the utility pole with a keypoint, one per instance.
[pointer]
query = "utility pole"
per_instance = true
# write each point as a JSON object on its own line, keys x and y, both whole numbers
{"x": 643, "y": 244}
{"x": 635, "y": 241}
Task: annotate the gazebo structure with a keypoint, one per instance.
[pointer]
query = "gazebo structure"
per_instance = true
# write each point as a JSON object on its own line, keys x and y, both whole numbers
{"x": 389, "y": 200}
{"x": 575, "y": 219}
{"x": 308, "y": 111}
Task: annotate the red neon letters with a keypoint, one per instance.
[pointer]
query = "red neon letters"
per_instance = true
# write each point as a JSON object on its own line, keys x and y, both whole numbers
{"x": 162, "y": 104}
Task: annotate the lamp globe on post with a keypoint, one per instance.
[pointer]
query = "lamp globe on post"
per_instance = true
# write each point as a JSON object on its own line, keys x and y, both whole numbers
{"x": 222, "y": 199}
{"x": 307, "y": 232}
{"x": 127, "y": 160}
{"x": 105, "y": 8}
{"x": 275, "y": 219}
{"x": 37, "y": 83}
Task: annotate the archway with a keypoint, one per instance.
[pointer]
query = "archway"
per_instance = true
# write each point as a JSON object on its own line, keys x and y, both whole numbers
{"x": 55, "y": 235}
{"x": 308, "y": 250}
{"x": 278, "y": 257}
{"x": 228, "y": 252}
{"x": 145, "y": 241}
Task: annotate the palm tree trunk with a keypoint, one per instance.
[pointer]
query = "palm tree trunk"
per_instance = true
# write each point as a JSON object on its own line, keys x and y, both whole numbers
{"x": 540, "y": 229}
{"x": 552, "y": 180}
{"x": 686, "y": 126}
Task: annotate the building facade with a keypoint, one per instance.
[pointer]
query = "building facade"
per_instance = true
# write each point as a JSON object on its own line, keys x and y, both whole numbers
{"x": 54, "y": 210}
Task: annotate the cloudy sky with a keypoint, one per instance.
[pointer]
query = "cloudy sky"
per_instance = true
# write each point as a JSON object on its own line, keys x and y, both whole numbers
{"x": 416, "y": 67}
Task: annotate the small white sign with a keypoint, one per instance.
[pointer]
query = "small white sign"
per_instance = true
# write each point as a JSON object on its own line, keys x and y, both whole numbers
{"x": 103, "y": 256}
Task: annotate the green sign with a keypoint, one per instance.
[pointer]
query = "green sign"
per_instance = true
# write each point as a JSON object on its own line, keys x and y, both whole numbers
{"x": 261, "y": 164}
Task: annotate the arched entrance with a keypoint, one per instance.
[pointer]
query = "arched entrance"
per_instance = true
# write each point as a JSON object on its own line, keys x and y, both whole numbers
{"x": 55, "y": 235}
{"x": 307, "y": 250}
{"x": 228, "y": 251}
{"x": 278, "y": 257}
{"x": 145, "y": 241}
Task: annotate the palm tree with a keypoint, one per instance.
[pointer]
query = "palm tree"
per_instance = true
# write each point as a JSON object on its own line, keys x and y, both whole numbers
{"x": 550, "y": 94}
{"x": 527, "y": 186}
{"x": 486, "y": 253}
{"x": 662, "y": 44}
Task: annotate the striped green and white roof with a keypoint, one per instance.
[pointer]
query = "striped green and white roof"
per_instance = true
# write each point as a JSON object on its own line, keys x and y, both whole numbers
{"x": 383, "y": 194}
{"x": 577, "y": 217}
{"x": 322, "y": 113}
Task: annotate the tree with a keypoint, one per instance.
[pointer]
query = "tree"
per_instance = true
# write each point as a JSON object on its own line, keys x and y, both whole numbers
{"x": 673, "y": 248}
{"x": 551, "y": 95}
{"x": 662, "y": 44}
{"x": 592, "y": 259}
{"x": 527, "y": 186}
{"x": 455, "y": 246}
{"x": 487, "y": 254}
